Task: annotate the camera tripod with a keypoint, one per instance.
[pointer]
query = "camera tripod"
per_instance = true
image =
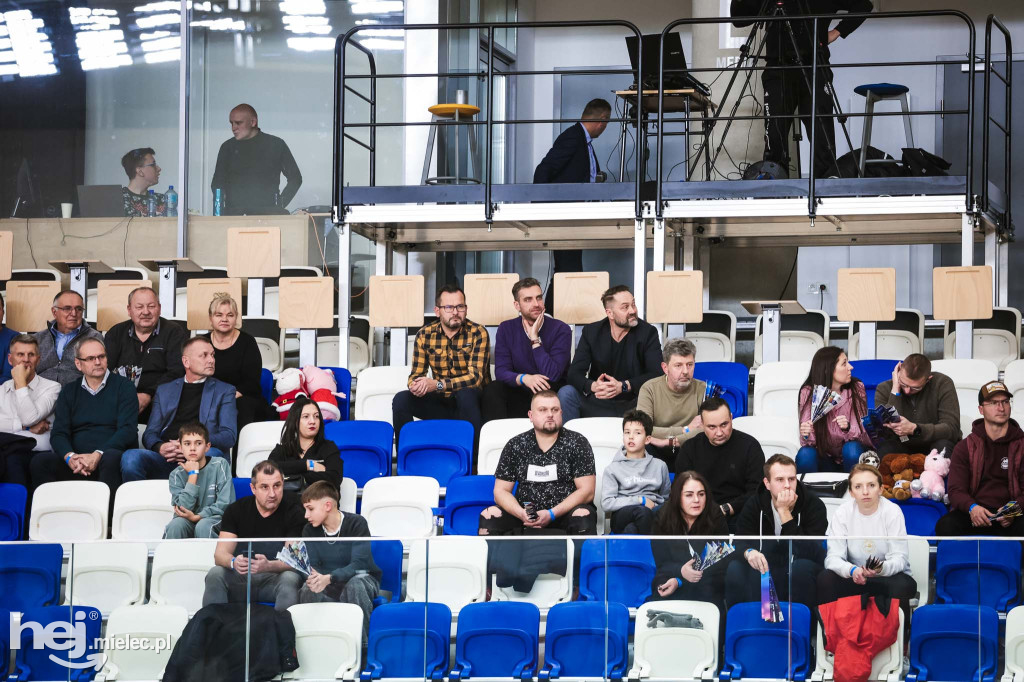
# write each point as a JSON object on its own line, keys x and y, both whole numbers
{"x": 747, "y": 63}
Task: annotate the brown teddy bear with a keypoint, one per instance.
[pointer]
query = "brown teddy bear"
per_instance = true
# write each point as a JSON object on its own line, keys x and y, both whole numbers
{"x": 901, "y": 491}
{"x": 897, "y": 466}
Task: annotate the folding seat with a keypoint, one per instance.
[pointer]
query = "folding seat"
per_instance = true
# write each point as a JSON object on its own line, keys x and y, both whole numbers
{"x": 920, "y": 558}
{"x": 327, "y": 341}
{"x": 886, "y": 665}
{"x": 401, "y": 506}
{"x": 107, "y": 575}
{"x": 243, "y": 487}
{"x": 408, "y": 640}
{"x": 831, "y": 505}
{"x": 439, "y": 448}
{"x": 387, "y": 554}
{"x": 142, "y": 509}
{"x": 179, "y": 573}
{"x": 586, "y": 640}
{"x": 493, "y": 437}
{"x": 604, "y": 434}
{"x": 664, "y": 650}
{"x": 996, "y": 339}
{"x": 802, "y": 335}
{"x": 777, "y": 388}
{"x": 894, "y": 340}
{"x": 148, "y": 624}
{"x": 985, "y": 572}
{"x": 921, "y": 515}
{"x": 13, "y": 498}
{"x": 451, "y": 570}
{"x": 254, "y": 445}
{"x": 714, "y": 336}
{"x": 549, "y": 588}
{"x": 349, "y": 493}
{"x": 344, "y": 380}
{"x": 954, "y": 642}
{"x": 464, "y": 499}
{"x": 775, "y": 434}
{"x": 328, "y": 641}
{"x": 269, "y": 338}
{"x": 5, "y": 646}
{"x": 70, "y": 511}
{"x": 968, "y": 377}
{"x": 756, "y": 648}
{"x": 497, "y": 640}
{"x": 616, "y": 570}
{"x": 377, "y": 388}
{"x": 733, "y": 377}
{"x": 29, "y": 576}
{"x": 59, "y": 654}
{"x": 266, "y": 384}
{"x": 365, "y": 448}
{"x": 1014, "y": 651}
{"x": 872, "y": 373}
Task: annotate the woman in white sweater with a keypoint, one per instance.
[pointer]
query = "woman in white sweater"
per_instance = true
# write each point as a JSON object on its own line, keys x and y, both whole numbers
{"x": 866, "y": 530}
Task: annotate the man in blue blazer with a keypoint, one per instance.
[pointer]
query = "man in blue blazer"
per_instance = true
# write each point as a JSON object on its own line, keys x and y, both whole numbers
{"x": 198, "y": 396}
{"x": 572, "y": 159}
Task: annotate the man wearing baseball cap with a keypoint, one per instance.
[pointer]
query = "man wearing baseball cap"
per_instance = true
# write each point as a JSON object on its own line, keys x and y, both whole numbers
{"x": 987, "y": 470}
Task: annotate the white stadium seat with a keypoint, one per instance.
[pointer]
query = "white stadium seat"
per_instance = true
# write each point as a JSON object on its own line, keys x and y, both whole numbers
{"x": 107, "y": 575}
{"x": 493, "y": 437}
{"x": 142, "y": 509}
{"x": 886, "y": 665}
{"x": 676, "y": 653}
{"x": 605, "y": 437}
{"x": 1013, "y": 377}
{"x": 1014, "y": 645}
{"x": 775, "y": 434}
{"x": 328, "y": 641}
{"x": 996, "y": 339}
{"x": 149, "y": 623}
{"x": 254, "y": 445}
{"x": 968, "y": 376}
{"x": 795, "y": 344}
{"x": 777, "y": 388}
{"x": 377, "y": 388}
{"x": 349, "y": 493}
{"x": 401, "y": 506}
{"x": 70, "y": 511}
{"x": 549, "y": 588}
{"x": 179, "y": 573}
{"x": 450, "y": 569}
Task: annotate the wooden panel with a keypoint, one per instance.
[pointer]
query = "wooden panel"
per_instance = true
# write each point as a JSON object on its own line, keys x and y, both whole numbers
{"x": 183, "y": 264}
{"x": 306, "y": 303}
{"x": 675, "y": 297}
{"x": 254, "y": 251}
{"x": 962, "y": 293}
{"x": 866, "y": 294}
{"x": 112, "y": 300}
{"x": 396, "y": 301}
{"x": 6, "y": 254}
{"x": 29, "y": 303}
{"x": 200, "y": 293}
{"x": 92, "y": 265}
{"x": 788, "y": 307}
{"x": 578, "y": 296}
{"x": 489, "y": 298}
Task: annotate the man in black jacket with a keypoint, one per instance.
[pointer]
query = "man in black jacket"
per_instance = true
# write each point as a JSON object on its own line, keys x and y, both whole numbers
{"x": 786, "y": 90}
{"x": 572, "y": 159}
{"x": 785, "y": 510}
{"x": 614, "y": 358}
{"x": 732, "y": 461}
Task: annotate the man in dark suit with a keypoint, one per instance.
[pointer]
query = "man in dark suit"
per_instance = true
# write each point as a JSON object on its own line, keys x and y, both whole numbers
{"x": 572, "y": 159}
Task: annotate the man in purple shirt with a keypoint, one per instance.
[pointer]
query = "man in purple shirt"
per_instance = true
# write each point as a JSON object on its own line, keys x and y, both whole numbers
{"x": 531, "y": 354}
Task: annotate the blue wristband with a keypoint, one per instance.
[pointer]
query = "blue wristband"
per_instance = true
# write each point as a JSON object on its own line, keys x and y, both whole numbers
{"x": 67, "y": 458}
{"x": 194, "y": 472}
{"x": 519, "y": 379}
{"x": 971, "y": 508}
{"x": 852, "y": 571}
{"x": 552, "y": 513}
{"x": 643, "y": 500}
{"x": 679, "y": 581}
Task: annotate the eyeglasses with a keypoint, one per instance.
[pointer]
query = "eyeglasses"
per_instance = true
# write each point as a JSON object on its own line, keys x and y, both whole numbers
{"x": 998, "y": 403}
{"x": 452, "y": 308}
{"x": 68, "y": 309}
{"x": 147, "y": 164}
{"x": 93, "y": 358}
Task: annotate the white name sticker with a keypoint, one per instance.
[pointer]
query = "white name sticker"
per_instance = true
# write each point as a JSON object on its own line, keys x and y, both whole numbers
{"x": 539, "y": 474}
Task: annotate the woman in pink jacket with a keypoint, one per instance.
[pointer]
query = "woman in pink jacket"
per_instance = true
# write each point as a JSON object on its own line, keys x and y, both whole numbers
{"x": 836, "y": 441}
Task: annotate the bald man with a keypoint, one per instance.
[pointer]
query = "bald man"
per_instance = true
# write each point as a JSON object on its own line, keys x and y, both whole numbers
{"x": 249, "y": 168}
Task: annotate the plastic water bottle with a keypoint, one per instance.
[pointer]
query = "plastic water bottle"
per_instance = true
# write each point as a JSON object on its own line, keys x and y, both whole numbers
{"x": 151, "y": 204}
{"x": 217, "y": 201}
{"x": 172, "y": 202}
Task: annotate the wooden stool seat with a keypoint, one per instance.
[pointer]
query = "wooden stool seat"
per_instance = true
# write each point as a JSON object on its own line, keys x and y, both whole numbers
{"x": 450, "y": 110}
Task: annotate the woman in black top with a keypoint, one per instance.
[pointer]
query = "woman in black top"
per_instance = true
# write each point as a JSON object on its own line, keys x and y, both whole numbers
{"x": 239, "y": 362}
{"x": 689, "y": 511}
{"x": 304, "y": 455}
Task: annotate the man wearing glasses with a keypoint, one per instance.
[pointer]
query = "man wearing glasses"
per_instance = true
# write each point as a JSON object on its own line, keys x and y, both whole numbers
{"x": 57, "y": 343}
{"x": 140, "y": 167}
{"x": 94, "y": 421}
{"x": 458, "y": 354}
{"x": 928, "y": 407}
{"x": 987, "y": 470}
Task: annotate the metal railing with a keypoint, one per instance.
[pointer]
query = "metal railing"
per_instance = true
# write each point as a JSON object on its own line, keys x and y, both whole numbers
{"x": 1005, "y": 127}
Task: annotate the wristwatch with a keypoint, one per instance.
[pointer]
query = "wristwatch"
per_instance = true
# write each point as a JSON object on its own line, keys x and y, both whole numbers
{"x": 440, "y": 385}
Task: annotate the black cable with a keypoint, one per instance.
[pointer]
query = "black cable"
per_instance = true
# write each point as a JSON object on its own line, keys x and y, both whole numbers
{"x": 791, "y": 271}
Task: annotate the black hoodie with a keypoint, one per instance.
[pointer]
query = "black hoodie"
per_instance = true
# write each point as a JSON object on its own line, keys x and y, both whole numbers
{"x": 809, "y": 518}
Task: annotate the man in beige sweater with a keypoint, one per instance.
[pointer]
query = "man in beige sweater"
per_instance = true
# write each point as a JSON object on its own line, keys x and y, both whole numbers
{"x": 673, "y": 400}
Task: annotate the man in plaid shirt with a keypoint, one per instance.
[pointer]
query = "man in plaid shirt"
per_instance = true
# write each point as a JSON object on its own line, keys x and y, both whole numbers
{"x": 458, "y": 354}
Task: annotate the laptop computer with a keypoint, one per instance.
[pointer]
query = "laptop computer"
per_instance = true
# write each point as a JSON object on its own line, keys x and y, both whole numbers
{"x": 675, "y": 58}
{"x": 100, "y": 201}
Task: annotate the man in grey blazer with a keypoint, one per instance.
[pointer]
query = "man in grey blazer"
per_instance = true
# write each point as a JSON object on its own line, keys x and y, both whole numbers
{"x": 198, "y": 396}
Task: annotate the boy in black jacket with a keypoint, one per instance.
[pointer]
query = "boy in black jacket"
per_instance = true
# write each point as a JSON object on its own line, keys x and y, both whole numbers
{"x": 782, "y": 509}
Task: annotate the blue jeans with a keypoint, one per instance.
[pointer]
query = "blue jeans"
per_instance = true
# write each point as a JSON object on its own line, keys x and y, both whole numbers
{"x": 142, "y": 465}
{"x": 572, "y": 403}
{"x": 809, "y": 460}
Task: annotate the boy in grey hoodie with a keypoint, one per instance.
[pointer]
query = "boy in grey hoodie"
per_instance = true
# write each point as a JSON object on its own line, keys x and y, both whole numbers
{"x": 635, "y": 482}
{"x": 201, "y": 488}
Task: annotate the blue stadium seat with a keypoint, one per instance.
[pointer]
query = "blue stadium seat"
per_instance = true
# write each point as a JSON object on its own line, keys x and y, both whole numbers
{"x": 30, "y": 576}
{"x": 243, "y": 487}
{"x": 267, "y": 384}
{"x": 985, "y": 572}
{"x": 365, "y": 448}
{"x": 497, "y": 639}
{"x": 624, "y": 575}
{"x": 873, "y": 373}
{"x": 13, "y": 497}
{"x": 45, "y": 662}
{"x": 946, "y": 641}
{"x": 920, "y": 515}
{"x": 408, "y": 640}
{"x": 733, "y": 377}
{"x": 344, "y": 379}
{"x": 465, "y": 498}
{"x": 5, "y": 645}
{"x": 439, "y": 448}
{"x": 755, "y": 648}
{"x": 387, "y": 554}
{"x": 586, "y": 640}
